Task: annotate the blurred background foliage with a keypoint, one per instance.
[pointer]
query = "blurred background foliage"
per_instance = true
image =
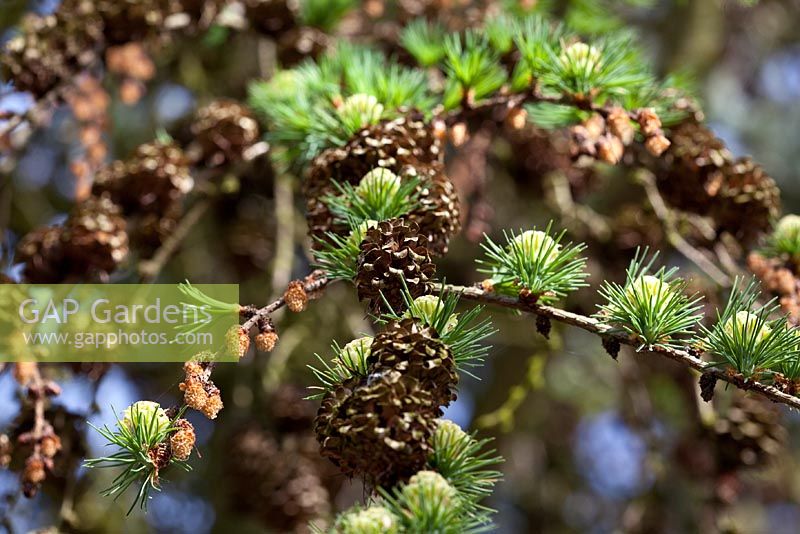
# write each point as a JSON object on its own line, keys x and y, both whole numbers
{"x": 591, "y": 445}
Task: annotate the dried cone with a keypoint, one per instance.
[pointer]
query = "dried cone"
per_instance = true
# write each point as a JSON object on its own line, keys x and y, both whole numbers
{"x": 408, "y": 147}
{"x": 415, "y": 350}
{"x": 94, "y": 237}
{"x": 133, "y": 20}
{"x": 707, "y": 384}
{"x": 377, "y": 428}
{"x": 295, "y": 297}
{"x": 290, "y": 410}
{"x": 700, "y": 175}
{"x": 53, "y": 49}
{"x": 439, "y": 213}
{"x": 391, "y": 253}
{"x": 151, "y": 180}
{"x": 748, "y": 434}
{"x": 150, "y": 230}
{"x": 223, "y": 130}
{"x": 749, "y": 200}
{"x": 182, "y": 441}
{"x": 282, "y": 483}
{"x": 42, "y": 254}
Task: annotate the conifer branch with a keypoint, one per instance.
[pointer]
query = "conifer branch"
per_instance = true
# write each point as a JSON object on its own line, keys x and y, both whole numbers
{"x": 334, "y": 121}
{"x": 313, "y": 283}
{"x": 666, "y": 216}
{"x": 507, "y": 101}
{"x": 43, "y": 439}
{"x": 594, "y": 326}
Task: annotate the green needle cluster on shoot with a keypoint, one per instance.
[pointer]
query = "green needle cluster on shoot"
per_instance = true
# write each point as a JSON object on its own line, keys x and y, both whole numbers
{"x": 751, "y": 339}
{"x": 536, "y": 261}
{"x": 652, "y": 305}
{"x": 140, "y": 433}
{"x": 379, "y": 196}
{"x": 785, "y": 239}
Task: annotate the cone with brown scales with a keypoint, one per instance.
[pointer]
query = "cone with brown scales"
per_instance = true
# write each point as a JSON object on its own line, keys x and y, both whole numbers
{"x": 393, "y": 257}
{"x": 698, "y": 174}
{"x": 223, "y": 130}
{"x": 415, "y": 350}
{"x": 406, "y": 146}
{"x": 377, "y": 428}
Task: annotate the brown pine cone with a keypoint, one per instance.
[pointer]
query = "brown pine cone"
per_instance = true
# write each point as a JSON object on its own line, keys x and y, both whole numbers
{"x": 414, "y": 350}
{"x": 378, "y": 427}
{"x": 152, "y": 180}
{"x": 279, "y": 482}
{"x": 43, "y": 255}
{"x": 93, "y": 241}
{"x": 134, "y": 20}
{"x": 438, "y": 216}
{"x": 397, "y": 145}
{"x": 700, "y": 175}
{"x": 223, "y": 130}
{"x": 391, "y": 253}
{"x": 290, "y": 410}
{"x": 748, "y": 201}
{"x": 748, "y": 433}
{"x": 94, "y": 237}
{"x": 150, "y": 230}
{"x": 53, "y": 49}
